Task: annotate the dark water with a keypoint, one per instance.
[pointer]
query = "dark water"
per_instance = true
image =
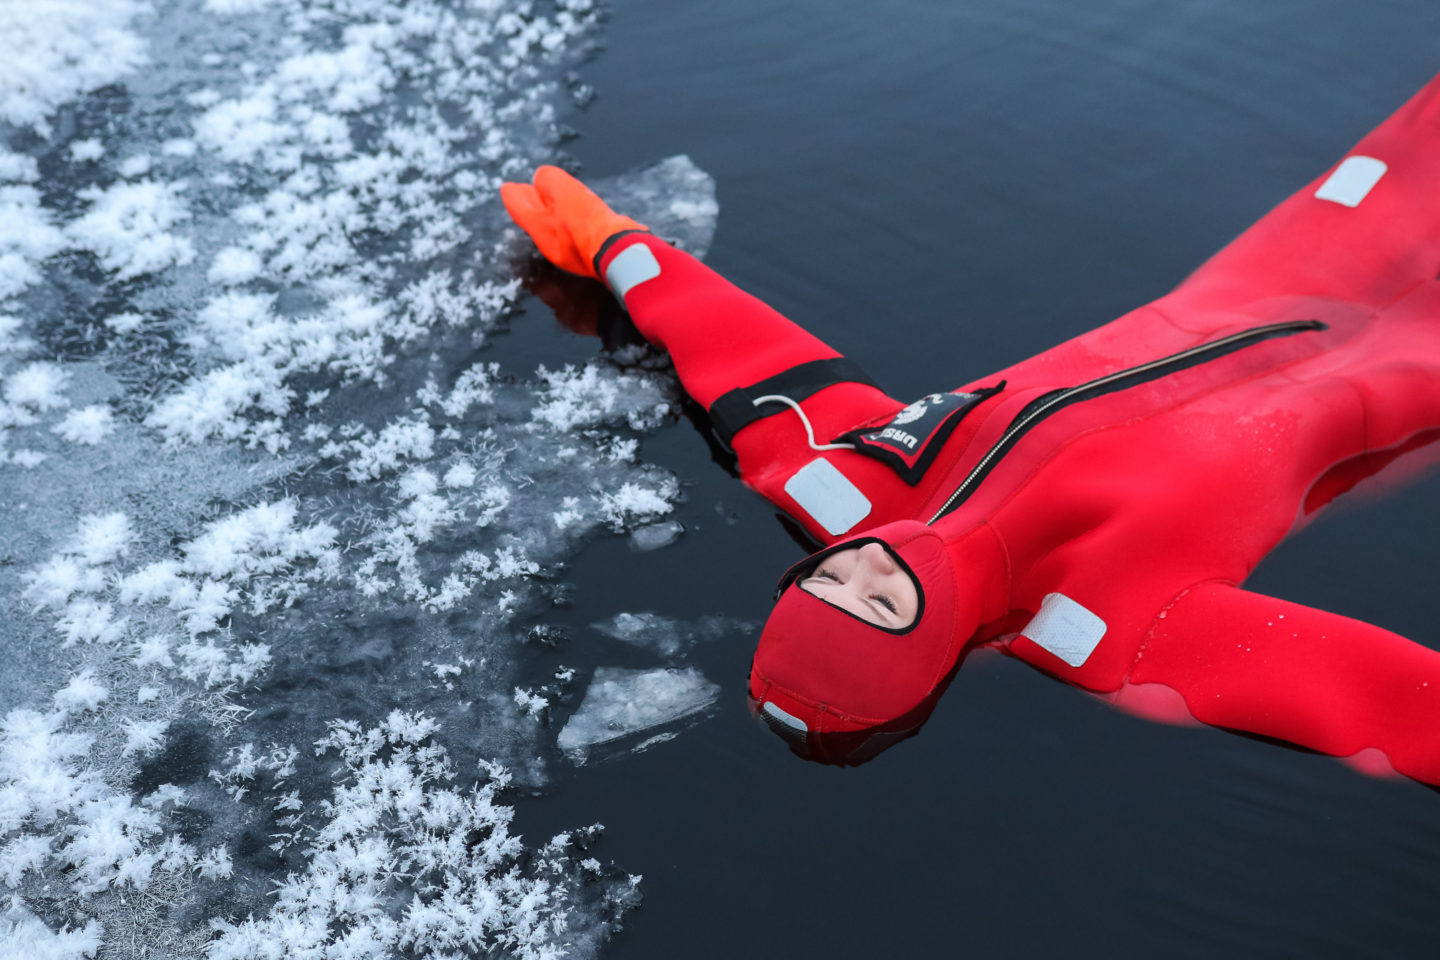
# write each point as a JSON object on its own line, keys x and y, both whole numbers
{"x": 939, "y": 190}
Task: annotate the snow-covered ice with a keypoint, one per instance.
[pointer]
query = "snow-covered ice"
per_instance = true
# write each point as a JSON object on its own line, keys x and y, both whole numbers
{"x": 25, "y": 935}
{"x": 53, "y": 50}
{"x": 275, "y": 515}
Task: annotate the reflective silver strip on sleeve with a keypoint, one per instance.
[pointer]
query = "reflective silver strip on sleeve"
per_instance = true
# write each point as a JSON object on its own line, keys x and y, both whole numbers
{"x": 631, "y": 267}
{"x": 1352, "y": 180}
{"x": 793, "y": 722}
{"x": 1065, "y": 628}
{"x": 828, "y": 495}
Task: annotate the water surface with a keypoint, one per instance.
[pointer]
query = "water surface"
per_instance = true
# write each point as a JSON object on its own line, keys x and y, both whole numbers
{"x": 939, "y": 190}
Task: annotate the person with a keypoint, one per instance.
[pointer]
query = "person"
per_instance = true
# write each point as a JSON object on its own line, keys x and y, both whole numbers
{"x": 1093, "y": 510}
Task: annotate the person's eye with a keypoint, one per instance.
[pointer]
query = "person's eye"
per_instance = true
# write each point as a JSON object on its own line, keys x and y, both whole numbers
{"x": 823, "y": 574}
{"x": 884, "y": 601}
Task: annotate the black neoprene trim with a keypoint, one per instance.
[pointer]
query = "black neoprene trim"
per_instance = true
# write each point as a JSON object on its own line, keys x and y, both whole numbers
{"x": 736, "y": 409}
{"x": 610, "y": 241}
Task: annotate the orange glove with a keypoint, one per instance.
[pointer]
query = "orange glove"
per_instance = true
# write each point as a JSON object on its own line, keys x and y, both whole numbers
{"x": 567, "y": 222}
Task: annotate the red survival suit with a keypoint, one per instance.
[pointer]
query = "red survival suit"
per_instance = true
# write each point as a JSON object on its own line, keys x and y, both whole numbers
{"x": 1094, "y": 508}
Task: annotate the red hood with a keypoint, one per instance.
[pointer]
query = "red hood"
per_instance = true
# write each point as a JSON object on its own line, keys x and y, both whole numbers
{"x": 820, "y": 671}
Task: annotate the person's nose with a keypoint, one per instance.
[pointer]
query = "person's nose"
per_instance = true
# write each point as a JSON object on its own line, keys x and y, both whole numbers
{"x": 878, "y": 559}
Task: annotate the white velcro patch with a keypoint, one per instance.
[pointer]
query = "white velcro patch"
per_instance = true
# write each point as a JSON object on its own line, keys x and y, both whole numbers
{"x": 1352, "y": 180}
{"x": 631, "y": 267}
{"x": 828, "y": 496}
{"x": 1065, "y": 628}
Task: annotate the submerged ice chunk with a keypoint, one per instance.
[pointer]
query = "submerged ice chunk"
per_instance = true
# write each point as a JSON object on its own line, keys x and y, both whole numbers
{"x": 620, "y": 703}
{"x": 674, "y": 197}
{"x": 667, "y": 636}
{"x": 653, "y": 536}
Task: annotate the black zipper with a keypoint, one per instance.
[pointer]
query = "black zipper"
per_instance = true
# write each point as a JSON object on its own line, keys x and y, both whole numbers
{"x": 1049, "y": 403}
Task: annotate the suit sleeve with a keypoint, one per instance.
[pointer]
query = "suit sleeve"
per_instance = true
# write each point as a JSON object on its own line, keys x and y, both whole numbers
{"x": 1339, "y": 686}
{"x": 1363, "y": 232}
{"x": 729, "y": 349}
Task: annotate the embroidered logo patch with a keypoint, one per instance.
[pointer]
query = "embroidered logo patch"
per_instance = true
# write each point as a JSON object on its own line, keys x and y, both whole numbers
{"x": 909, "y": 441}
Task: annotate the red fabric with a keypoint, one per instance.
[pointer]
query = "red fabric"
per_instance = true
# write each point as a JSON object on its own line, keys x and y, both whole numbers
{"x": 1291, "y": 672}
{"x": 1147, "y": 504}
{"x": 865, "y": 677}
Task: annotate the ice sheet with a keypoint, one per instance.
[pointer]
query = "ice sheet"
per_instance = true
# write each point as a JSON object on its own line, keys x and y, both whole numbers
{"x": 263, "y": 474}
{"x": 622, "y": 703}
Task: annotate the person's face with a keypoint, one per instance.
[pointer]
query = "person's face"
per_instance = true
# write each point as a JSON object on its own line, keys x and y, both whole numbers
{"x": 867, "y": 582}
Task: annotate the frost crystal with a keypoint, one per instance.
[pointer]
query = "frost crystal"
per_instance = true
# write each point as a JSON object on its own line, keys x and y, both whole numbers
{"x": 29, "y": 237}
{"x": 81, "y": 693}
{"x": 82, "y": 151}
{"x": 633, "y": 502}
{"x": 24, "y": 935}
{"x": 87, "y": 425}
{"x": 128, "y": 227}
{"x": 49, "y": 52}
{"x": 234, "y": 265}
{"x": 37, "y": 386}
{"x": 404, "y": 861}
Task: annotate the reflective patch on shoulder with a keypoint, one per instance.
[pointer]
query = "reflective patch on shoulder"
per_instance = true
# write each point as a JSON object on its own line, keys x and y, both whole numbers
{"x": 1352, "y": 180}
{"x": 828, "y": 495}
{"x": 631, "y": 267}
{"x": 1065, "y": 628}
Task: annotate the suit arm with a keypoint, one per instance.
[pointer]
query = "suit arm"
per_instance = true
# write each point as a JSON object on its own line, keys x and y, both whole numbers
{"x": 730, "y": 349}
{"x": 1339, "y": 686}
{"x": 1365, "y": 231}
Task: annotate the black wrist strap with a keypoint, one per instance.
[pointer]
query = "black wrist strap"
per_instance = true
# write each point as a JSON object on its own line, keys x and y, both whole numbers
{"x": 736, "y": 409}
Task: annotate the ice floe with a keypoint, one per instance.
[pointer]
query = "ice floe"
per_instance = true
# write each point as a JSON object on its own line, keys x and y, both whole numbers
{"x": 622, "y": 703}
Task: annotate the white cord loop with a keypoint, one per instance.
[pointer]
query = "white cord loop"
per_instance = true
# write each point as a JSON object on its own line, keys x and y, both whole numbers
{"x": 809, "y": 432}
